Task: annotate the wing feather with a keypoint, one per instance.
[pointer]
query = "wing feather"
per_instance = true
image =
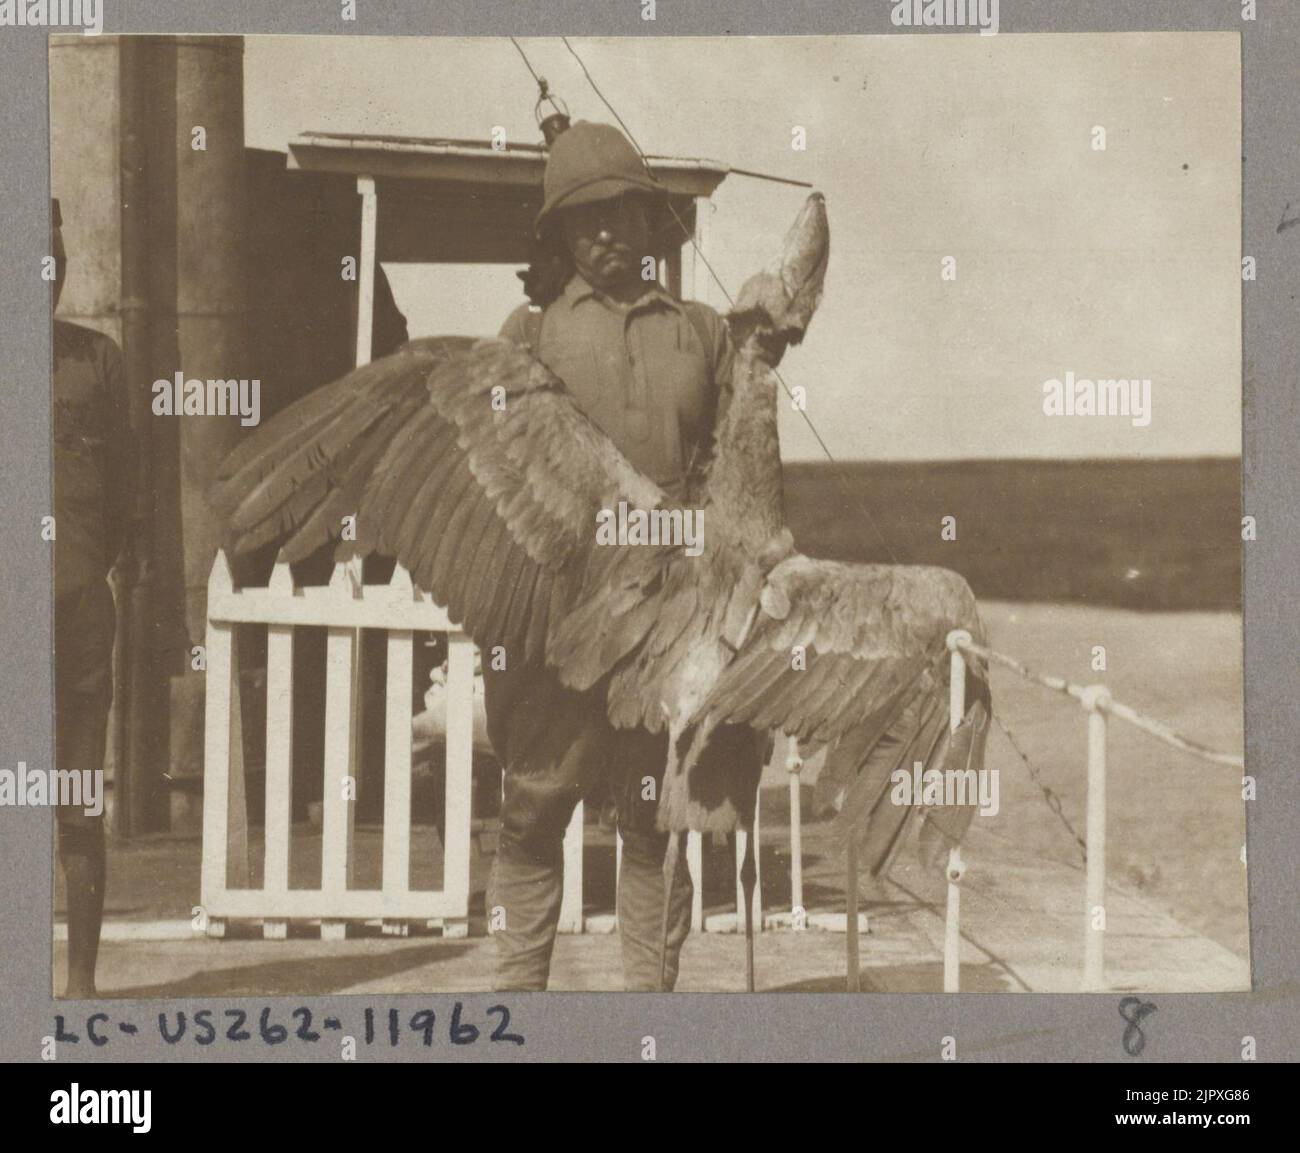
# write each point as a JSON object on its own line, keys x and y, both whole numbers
{"x": 873, "y": 685}
{"x": 470, "y": 464}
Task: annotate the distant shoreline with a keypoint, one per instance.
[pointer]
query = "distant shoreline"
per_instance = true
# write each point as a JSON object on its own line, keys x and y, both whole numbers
{"x": 1157, "y": 534}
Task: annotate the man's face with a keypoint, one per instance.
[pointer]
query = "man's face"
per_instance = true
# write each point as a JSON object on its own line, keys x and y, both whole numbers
{"x": 607, "y": 239}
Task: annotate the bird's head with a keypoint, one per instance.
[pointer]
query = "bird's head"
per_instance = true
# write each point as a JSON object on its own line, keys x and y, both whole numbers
{"x": 774, "y": 307}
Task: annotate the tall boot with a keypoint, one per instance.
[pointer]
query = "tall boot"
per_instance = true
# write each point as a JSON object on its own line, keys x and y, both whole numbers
{"x": 641, "y": 911}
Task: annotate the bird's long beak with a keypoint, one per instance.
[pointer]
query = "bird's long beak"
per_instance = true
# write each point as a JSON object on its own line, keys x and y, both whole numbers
{"x": 780, "y": 301}
{"x": 803, "y": 266}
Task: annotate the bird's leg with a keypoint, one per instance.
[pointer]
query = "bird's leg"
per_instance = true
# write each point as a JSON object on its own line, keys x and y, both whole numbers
{"x": 748, "y": 876}
{"x": 670, "y": 875}
{"x": 853, "y": 979}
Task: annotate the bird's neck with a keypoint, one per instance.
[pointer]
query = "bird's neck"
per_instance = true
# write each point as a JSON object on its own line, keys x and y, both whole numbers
{"x": 744, "y": 480}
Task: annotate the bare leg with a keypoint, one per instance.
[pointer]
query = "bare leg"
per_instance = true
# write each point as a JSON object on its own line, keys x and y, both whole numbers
{"x": 853, "y": 983}
{"x": 748, "y": 877}
{"x": 81, "y": 851}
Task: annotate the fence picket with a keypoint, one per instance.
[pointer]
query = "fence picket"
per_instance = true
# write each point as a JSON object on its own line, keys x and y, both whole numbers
{"x": 339, "y": 787}
{"x": 279, "y": 742}
{"x": 397, "y": 763}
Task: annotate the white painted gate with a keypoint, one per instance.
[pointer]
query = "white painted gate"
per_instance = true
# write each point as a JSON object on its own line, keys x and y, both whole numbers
{"x": 344, "y": 606}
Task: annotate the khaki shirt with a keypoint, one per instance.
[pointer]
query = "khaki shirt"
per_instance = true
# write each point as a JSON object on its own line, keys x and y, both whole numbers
{"x": 639, "y": 371}
{"x": 643, "y": 375}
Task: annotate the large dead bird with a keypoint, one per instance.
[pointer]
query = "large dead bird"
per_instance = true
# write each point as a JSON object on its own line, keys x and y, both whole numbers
{"x": 469, "y": 462}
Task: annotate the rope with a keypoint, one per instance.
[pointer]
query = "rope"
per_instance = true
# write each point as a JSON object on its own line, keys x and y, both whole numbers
{"x": 1104, "y": 703}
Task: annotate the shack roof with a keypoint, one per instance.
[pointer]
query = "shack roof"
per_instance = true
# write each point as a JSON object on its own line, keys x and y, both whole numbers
{"x": 444, "y": 200}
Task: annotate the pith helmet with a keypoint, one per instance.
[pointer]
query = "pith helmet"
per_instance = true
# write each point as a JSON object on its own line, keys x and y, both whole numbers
{"x": 590, "y": 162}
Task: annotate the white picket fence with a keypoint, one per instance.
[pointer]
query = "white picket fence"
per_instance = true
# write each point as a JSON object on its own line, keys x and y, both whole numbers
{"x": 345, "y": 606}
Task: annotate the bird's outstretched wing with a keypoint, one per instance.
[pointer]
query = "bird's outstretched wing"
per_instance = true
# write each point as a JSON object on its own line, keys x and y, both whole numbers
{"x": 467, "y": 461}
{"x": 853, "y": 657}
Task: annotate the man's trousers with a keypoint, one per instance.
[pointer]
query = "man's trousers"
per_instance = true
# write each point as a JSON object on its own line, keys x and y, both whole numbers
{"x": 527, "y": 876}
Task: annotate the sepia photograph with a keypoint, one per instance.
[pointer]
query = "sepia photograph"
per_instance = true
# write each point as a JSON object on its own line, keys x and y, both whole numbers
{"x": 697, "y": 514}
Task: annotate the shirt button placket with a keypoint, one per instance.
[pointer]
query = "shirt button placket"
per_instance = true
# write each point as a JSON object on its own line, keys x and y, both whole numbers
{"x": 638, "y": 418}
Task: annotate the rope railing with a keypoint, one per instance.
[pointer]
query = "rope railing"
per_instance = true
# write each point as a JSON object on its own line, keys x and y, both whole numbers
{"x": 1103, "y": 701}
{"x": 1099, "y": 705}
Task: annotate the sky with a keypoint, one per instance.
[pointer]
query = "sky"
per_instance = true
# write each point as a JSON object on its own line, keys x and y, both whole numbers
{"x": 1121, "y": 263}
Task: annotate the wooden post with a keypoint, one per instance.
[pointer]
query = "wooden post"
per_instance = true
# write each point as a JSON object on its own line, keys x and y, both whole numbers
{"x": 1094, "y": 700}
{"x": 696, "y": 253}
{"x": 366, "y": 269}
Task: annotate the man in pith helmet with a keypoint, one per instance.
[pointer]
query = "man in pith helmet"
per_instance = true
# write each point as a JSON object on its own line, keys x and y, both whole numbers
{"x": 649, "y": 370}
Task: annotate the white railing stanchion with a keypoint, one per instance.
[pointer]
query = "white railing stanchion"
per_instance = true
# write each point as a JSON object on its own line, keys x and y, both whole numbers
{"x": 952, "y": 923}
{"x": 793, "y": 765}
{"x": 618, "y": 869}
{"x": 956, "y": 868}
{"x": 1095, "y": 699}
{"x": 695, "y": 866}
